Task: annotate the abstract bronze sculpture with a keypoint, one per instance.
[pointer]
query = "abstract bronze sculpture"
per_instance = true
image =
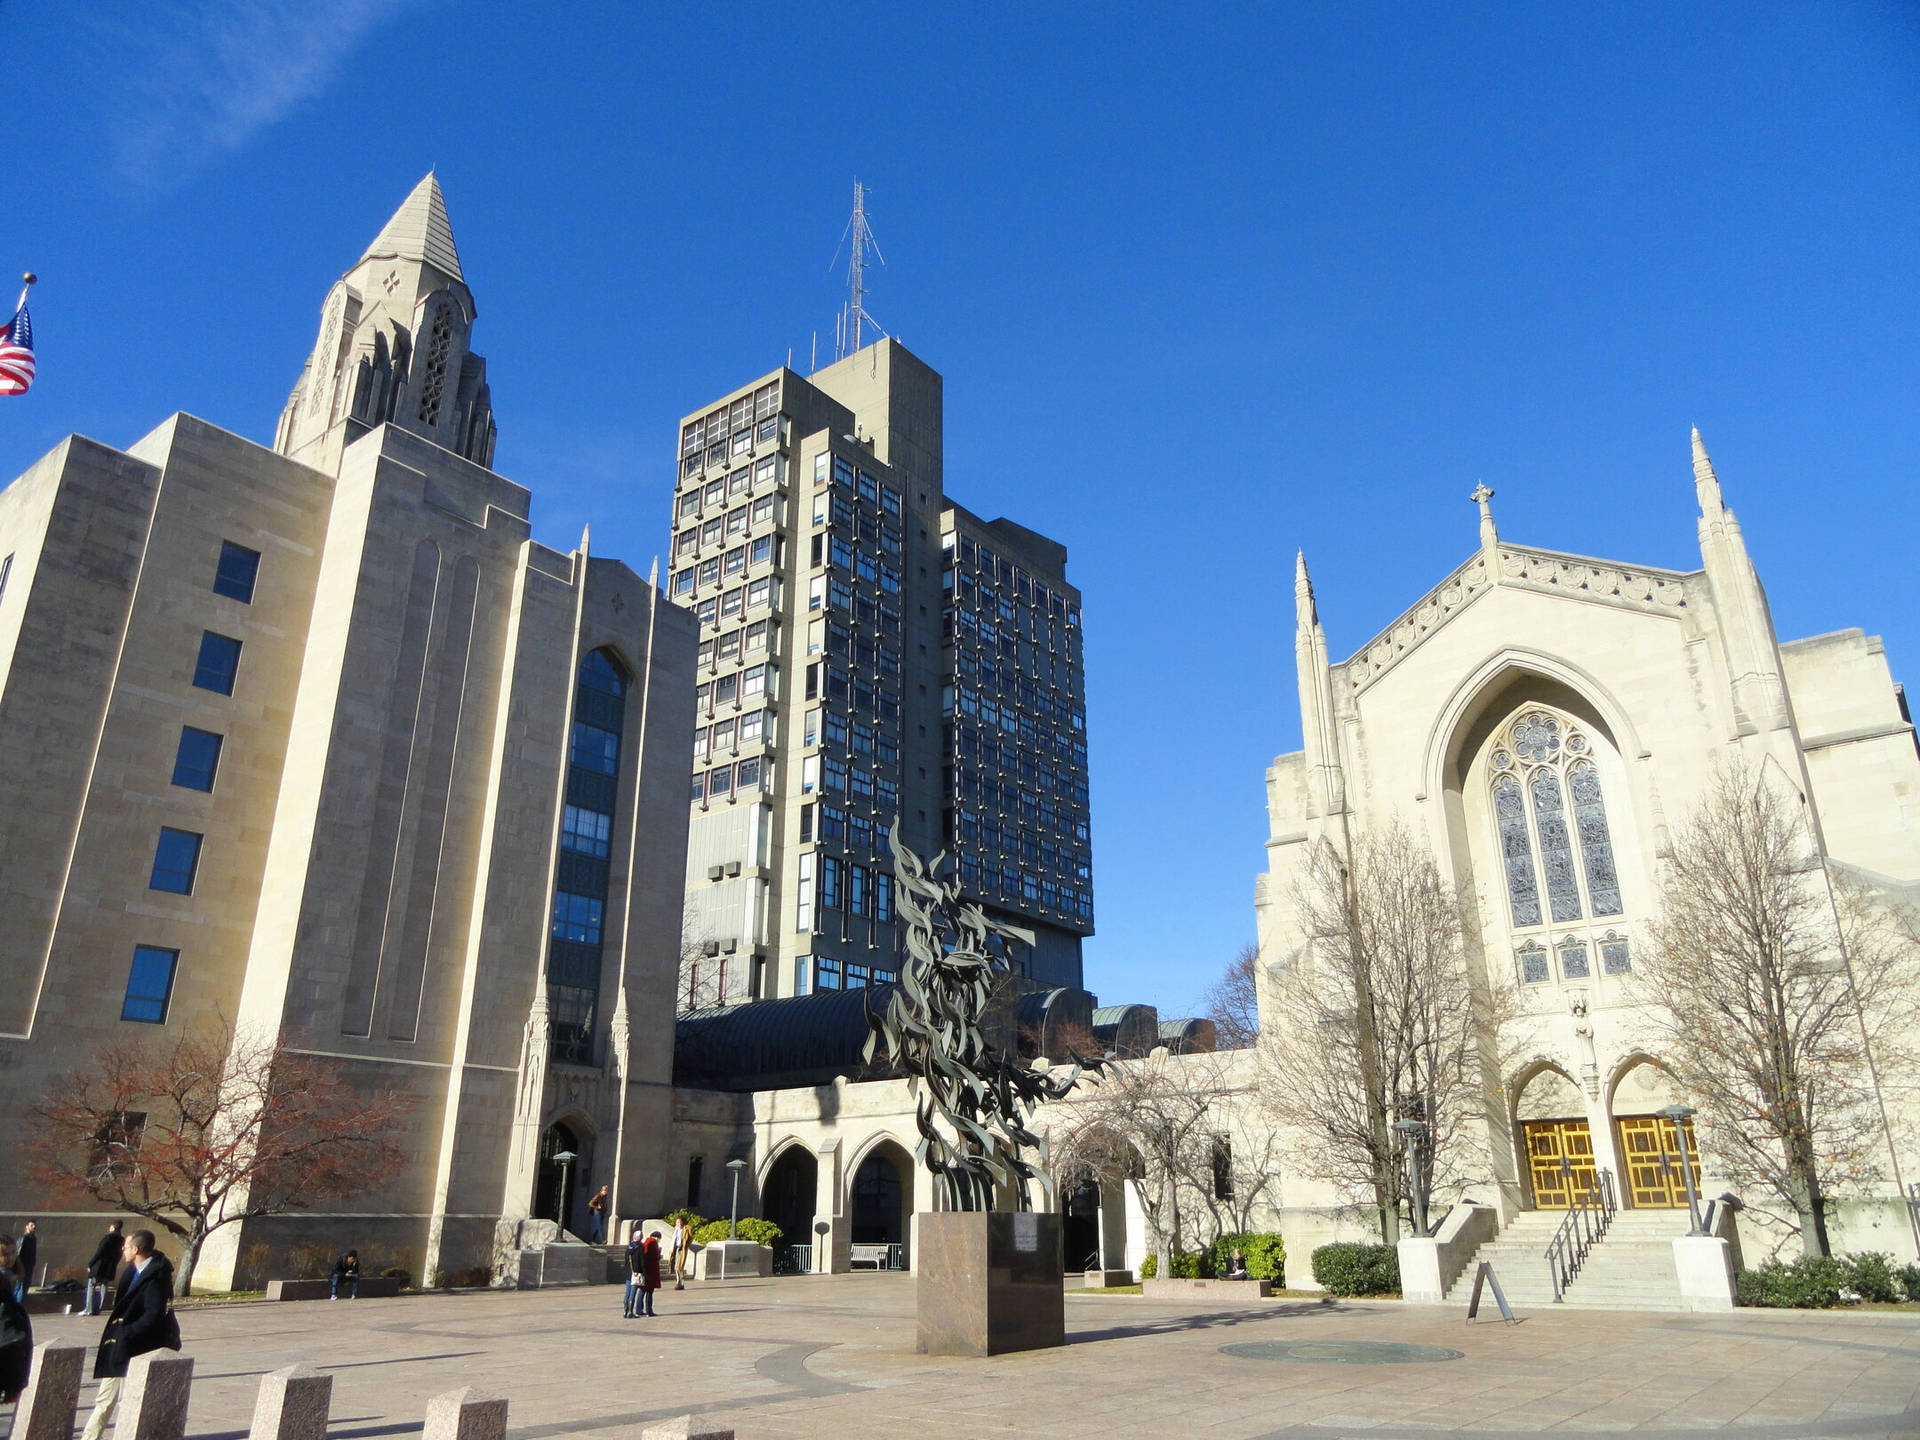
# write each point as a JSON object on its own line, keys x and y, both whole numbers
{"x": 931, "y": 1028}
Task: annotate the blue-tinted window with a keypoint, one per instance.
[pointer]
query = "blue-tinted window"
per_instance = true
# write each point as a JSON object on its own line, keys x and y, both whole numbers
{"x": 175, "y": 859}
{"x": 600, "y": 672}
{"x": 586, "y": 831}
{"x": 219, "y": 663}
{"x": 197, "y": 759}
{"x": 577, "y": 918}
{"x": 149, "y": 985}
{"x": 239, "y": 568}
{"x": 595, "y": 749}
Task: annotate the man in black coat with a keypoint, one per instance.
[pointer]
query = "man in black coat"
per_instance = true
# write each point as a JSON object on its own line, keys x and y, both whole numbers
{"x": 29, "y": 1248}
{"x": 106, "y": 1259}
{"x": 138, "y": 1323}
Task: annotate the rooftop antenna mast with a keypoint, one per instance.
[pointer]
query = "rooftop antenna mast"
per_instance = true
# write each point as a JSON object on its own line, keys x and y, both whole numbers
{"x": 850, "y": 329}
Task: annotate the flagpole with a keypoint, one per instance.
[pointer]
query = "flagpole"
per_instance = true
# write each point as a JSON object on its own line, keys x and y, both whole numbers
{"x": 30, "y": 278}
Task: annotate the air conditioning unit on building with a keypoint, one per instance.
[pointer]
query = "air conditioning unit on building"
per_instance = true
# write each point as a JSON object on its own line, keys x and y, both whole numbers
{"x": 714, "y": 872}
{"x": 712, "y": 947}
{"x": 733, "y": 867}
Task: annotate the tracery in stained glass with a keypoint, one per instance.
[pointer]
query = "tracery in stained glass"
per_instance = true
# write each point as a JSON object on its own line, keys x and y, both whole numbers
{"x": 1537, "y": 737}
{"x": 1556, "y": 845}
{"x": 1533, "y": 964}
{"x": 1516, "y": 850}
{"x": 1596, "y": 844}
{"x": 1573, "y": 959}
{"x": 1614, "y": 959}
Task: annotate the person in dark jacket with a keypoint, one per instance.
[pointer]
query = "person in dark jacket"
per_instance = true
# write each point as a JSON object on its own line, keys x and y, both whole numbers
{"x": 16, "y": 1333}
{"x": 29, "y": 1253}
{"x": 346, "y": 1270}
{"x": 636, "y": 1267}
{"x": 139, "y": 1323}
{"x": 649, "y": 1272}
{"x": 106, "y": 1259}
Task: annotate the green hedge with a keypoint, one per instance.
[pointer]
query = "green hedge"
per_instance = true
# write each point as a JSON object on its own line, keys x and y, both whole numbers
{"x": 1347, "y": 1268}
{"x": 1819, "y": 1282}
{"x": 1186, "y": 1266}
{"x": 760, "y": 1232}
{"x": 1265, "y": 1255}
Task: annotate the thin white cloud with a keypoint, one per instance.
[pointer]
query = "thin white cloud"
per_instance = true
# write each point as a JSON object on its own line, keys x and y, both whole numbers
{"x": 196, "y": 82}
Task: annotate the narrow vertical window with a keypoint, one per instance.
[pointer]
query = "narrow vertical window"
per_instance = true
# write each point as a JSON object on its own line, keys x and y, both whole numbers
{"x": 1596, "y": 844}
{"x": 1574, "y": 964}
{"x": 1556, "y": 846}
{"x": 218, "y": 665}
{"x": 176, "y": 859}
{"x": 6, "y": 569}
{"x": 197, "y": 760}
{"x": 1516, "y": 849}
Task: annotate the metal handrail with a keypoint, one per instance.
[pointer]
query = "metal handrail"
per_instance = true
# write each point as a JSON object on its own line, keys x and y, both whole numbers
{"x": 1583, "y": 1228}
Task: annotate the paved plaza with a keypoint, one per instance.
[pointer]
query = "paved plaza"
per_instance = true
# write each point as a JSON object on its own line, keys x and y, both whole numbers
{"x": 832, "y": 1356}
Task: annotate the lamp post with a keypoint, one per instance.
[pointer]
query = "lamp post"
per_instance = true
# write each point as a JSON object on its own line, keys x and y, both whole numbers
{"x": 564, "y": 1159}
{"x": 733, "y": 1226}
{"x": 1415, "y": 1131}
{"x": 1679, "y": 1115}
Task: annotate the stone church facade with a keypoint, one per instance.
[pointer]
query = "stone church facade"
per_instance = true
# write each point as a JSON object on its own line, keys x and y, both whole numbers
{"x": 1544, "y": 722}
{"x": 318, "y": 739}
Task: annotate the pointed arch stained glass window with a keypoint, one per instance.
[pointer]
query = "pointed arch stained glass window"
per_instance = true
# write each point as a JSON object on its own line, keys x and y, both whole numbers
{"x": 1516, "y": 849}
{"x": 1556, "y": 845}
{"x": 1596, "y": 845}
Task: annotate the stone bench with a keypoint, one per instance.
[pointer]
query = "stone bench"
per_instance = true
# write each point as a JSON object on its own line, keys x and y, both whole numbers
{"x": 1211, "y": 1289}
{"x": 1107, "y": 1279}
{"x": 372, "y": 1287}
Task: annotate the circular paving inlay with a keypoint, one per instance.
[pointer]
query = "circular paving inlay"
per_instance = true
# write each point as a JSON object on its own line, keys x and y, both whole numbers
{"x": 1341, "y": 1352}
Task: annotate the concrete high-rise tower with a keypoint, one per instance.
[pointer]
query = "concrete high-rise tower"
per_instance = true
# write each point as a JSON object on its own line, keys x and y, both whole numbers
{"x": 869, "y": 651}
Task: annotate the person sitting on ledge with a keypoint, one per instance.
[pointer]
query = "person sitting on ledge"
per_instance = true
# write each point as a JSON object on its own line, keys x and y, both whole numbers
{"x": 1237, "y": 1267}
{"x": 346, "y": 1268}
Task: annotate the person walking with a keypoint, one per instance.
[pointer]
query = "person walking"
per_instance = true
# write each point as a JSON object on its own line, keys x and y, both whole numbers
{"x": 682, "y": 1251}
{"x": 649, "y": 1272}
{"x": 346, "y": 1268}
{"x": 139, "y": 1323}
{"x": 29, "y": 1256}
{"x": 106, "y": 1255}
{"x": 636, "y": 1267}
{"x": 16, "y": 1336}
{"x": 597, "y": 1215}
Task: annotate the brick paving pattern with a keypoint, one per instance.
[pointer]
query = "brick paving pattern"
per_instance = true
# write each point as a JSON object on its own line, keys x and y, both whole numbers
{"x": 832, "y": 1356}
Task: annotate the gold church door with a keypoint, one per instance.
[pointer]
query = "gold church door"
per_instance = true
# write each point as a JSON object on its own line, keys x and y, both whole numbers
{"x": 1559, "y": 1160}
{"x": 1650, "y": 1153}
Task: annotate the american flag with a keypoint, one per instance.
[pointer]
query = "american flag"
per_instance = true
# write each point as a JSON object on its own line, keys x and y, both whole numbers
{"x": 16, "y": 352}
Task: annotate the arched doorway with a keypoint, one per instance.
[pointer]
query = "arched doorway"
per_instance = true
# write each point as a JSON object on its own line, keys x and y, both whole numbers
{"x": 1649, "y": 1142}
{"x": 556, "y": 1184}
{"x": 1556, "y": 1144}
{"x": 881, "y": 1190}
{"x": 786, "y": 1198}
{"x": 1080, "y": 1225}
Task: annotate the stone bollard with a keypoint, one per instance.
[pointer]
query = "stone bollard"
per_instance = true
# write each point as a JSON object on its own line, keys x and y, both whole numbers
{"x": 467, "y": 1414}
{"x": 685, "y": 1427}
{"x": 153, "y": 1398}
{"x": 293, "y": 1405}
{"x": 46, "y": 1407}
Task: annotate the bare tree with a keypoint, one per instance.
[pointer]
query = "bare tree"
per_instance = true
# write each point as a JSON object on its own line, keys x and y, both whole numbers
{"x": 1160, "y": 1124}
{"x": 1233, "y": 1001}
{"x": 201, "y": 1129}
{"x": 1777, "y": 985}
{"x": 1379, "y": 1021}
{"x": 705, "y": 979}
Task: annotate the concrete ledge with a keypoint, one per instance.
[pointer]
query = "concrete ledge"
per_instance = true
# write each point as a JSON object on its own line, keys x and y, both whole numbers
{"x": 1212, "y": 1289}
{"x": 1107, "y": 1279}
{"x": 372, "y": 1287}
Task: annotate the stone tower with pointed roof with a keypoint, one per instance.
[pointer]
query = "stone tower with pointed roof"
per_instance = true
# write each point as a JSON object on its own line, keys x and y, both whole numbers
{"x": 394, "y": 347}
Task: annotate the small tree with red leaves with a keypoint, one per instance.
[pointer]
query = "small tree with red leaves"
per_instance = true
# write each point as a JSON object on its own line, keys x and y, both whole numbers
{"x": 208, "y": 1127}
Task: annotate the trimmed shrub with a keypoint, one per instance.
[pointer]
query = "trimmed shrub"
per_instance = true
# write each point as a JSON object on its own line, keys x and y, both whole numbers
{"x": 1871, "y": 1276}
{"x": 1910, "y": 1280}
{"x": 1186, "y": 1266}
{"x": 1812, "y": 1282}
{"x": 1265, "y": 1255}
{"x": 1348, "y": 1268}
{"x": 693, "y": 1218}
{"x": 400, "y": 1273}
{"x": 760, "y": 1232}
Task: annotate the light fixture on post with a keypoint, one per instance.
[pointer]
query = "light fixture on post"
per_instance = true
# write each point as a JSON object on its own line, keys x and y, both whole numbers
{"x": 564, "y": 1159}
{"x": 736, "y": 1165}
{"x": 1679, "y": 1115}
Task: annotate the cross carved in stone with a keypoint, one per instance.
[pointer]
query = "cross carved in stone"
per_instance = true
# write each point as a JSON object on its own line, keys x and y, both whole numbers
{"x": 619, "y": 603}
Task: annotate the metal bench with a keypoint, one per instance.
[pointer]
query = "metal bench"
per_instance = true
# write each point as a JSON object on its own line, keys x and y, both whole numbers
{"x": 875, "y": 1257}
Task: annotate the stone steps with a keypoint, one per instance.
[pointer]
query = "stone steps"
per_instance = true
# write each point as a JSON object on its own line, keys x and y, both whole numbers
{"x": 1630, "y": 1268}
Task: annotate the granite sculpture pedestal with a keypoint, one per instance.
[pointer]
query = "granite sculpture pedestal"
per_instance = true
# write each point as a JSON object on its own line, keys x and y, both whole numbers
{"x": 989, "y": 1282}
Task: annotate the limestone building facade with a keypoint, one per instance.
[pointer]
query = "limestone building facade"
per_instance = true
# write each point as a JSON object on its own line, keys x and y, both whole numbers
{"x": 869, "y": 652}
{"x": 319, "y": 739}
{"x": 1544, "y": 722}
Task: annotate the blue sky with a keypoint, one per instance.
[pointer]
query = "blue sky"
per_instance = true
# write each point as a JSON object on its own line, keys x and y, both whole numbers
{"x": 1207, "y": 284}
